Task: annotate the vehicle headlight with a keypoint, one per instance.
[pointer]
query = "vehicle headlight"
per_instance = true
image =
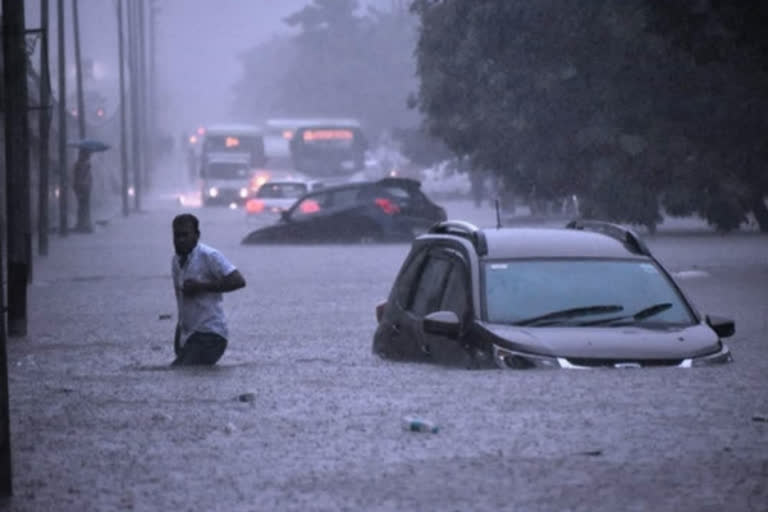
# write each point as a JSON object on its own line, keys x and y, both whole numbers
{"x": 722, "y": 356}
{"x": 514, "y": 360}
{"x": 243, "y": 193}
{"x": 213, "y": 192}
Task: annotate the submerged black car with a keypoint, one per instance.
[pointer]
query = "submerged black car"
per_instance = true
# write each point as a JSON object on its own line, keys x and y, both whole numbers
{"x": 388, "y": 210}
{"x": 590, "y": 295}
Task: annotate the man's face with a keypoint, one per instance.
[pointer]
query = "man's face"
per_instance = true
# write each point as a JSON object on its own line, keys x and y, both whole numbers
{"x": 184, "y": 238}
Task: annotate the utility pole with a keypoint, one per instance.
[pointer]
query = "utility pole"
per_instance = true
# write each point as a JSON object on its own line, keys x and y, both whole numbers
{"x": 17, "y": 206}
{"x": 63, "y": 170}
{"x": 44, "y": 128}
{"x": 6, "y": 479}
{"x": 79, "y": 71}
{"x": 134, "y": 85}
{"x": 123, "y": 123}
{"x": 145, "y": 127}
{"x": 16, "y": 165}
{"x": 154, "y": 9}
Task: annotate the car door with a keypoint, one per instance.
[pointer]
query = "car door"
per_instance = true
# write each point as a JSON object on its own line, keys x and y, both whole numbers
{"x": 425, "y": 298}
{"x": 345, "y": 221}
{"x": 455, "y": 297}
{"x": 306, "y": 219}
{"x": 394, "y": 334}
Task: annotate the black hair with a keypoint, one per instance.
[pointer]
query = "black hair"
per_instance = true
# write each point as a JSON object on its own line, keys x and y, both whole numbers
{"x": 187, "y": 218}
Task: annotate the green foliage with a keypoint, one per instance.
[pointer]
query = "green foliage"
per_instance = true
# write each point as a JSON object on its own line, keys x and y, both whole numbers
{"x": 591, "y": 98}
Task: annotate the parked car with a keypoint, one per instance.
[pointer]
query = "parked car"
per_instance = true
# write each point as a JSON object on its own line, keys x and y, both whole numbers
{"x": 387, "y": 210}
{"x": 589, "y": 295}
{"x": 275, "y": 196}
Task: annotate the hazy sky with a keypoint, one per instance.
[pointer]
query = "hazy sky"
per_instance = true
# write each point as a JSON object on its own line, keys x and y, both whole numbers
{"x": 198, "y": 42}
{"x": 198, "y": 45}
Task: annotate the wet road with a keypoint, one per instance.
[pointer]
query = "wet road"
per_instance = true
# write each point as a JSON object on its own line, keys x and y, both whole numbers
{"x": 99, "y": 423}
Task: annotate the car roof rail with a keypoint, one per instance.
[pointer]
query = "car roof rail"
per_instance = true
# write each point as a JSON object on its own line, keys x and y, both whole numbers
{"x": 624, "y": 235}
{"x": 465, "y": 230}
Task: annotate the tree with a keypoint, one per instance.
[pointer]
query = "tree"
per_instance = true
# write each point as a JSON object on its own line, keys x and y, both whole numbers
{"x": 586, "y": 98}
{"x": 727, "y": 49}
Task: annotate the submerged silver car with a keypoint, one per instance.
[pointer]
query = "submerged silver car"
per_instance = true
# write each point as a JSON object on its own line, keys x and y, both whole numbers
{"x": 588, "y": 295}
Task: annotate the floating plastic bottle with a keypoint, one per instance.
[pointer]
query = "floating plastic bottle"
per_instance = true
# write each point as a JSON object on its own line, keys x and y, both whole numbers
{"x": 414, "y": 424}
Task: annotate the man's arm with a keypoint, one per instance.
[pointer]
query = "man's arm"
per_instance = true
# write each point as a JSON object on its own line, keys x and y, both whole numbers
{"x": 229, "y": 283}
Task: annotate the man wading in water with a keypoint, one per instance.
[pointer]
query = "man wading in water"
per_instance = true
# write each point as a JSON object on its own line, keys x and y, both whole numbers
{"x": 200, "y": 275}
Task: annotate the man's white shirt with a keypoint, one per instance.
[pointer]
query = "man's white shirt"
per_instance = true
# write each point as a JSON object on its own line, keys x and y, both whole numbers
{"x": 203, "y": 311}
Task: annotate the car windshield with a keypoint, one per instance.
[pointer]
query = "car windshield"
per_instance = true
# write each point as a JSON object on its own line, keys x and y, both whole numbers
{"x": 282, "y": 190}
{"x": 227, "y": 171}
{"x": 581, "y": 292}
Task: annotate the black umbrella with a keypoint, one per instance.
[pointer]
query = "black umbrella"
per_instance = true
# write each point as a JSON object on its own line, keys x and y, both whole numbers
{"x": 92, "y": 145}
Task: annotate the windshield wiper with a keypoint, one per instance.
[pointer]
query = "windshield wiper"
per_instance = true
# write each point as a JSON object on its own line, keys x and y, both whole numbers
{"x": 640, "y": 315}
{"x": 570, "y": 313}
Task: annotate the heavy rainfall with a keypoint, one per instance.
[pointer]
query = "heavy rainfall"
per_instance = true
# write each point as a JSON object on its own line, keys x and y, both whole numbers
{"x": 352, "y": 254}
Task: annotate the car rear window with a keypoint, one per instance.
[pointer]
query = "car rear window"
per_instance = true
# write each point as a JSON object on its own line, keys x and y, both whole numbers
{"x": 281, "y": 190}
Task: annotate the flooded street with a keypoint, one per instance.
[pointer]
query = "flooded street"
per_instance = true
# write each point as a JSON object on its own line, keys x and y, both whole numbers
{"x": 364, "y": 122}
{"x": 299, "y": 415}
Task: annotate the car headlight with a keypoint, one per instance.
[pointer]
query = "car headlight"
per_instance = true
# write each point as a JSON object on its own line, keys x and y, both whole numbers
{"x": 511, "y": 359}
{"x": 243, "y": 193}
{"x": 213, "y": 192}
{"x": 722, "y": 356}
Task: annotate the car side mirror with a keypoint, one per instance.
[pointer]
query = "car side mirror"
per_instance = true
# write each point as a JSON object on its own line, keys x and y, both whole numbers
{"x": 443, "y": 323}
{"x": 723, "y": 327}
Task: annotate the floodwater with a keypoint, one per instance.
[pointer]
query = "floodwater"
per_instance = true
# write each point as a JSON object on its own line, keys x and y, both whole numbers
{"x": 299, "y": 415}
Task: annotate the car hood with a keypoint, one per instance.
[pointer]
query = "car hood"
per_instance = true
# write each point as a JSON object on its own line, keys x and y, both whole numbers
{"x": 625, "y": 342}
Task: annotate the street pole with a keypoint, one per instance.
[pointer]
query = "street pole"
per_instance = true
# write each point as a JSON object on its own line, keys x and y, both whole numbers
{"x": 44, "y": 128}
{"x": 153, "y": 10}
{"x": 63, "y": 170}
{"x": 78, "y": 70}
{"x": 6, "y": 477}
{"x": 134, "y": 85}
{"x": 146, "y": 147}
{"x": 18, "y": 222}
{"x": 17, "y": 171}
{"x": 123, "y": 123}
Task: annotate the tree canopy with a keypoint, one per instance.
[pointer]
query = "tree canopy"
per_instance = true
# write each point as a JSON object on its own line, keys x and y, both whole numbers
{"x": 634, "y": 106}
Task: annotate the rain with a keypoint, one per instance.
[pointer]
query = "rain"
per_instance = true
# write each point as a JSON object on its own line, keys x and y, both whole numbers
{"x": 321, "y": 145}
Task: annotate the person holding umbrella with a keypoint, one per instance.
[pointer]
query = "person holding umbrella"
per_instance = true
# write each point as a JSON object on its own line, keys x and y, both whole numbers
{"x": 82, "y": 182}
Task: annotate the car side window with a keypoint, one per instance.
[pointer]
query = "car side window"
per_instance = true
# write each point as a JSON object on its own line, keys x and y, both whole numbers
{"x": 456, "y": 295}
{"x": 345, "y": 197}
{"x": 310, "y": 205}
{"x": 404, "y": 287}
{"x": 429, "y": 290}
{"x": 398, "y": 192}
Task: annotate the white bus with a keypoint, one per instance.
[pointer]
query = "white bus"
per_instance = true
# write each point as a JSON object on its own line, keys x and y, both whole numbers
{"x": 232, "y": 139}
{"x": 230, "y": 157}
{"x": 325, "y": 144}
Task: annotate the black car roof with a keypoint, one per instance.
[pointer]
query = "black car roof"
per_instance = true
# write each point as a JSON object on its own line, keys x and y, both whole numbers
{"x": 555, "y": 243}
{"x": 579, "y": 239}
{"x": 402, "y": 182}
